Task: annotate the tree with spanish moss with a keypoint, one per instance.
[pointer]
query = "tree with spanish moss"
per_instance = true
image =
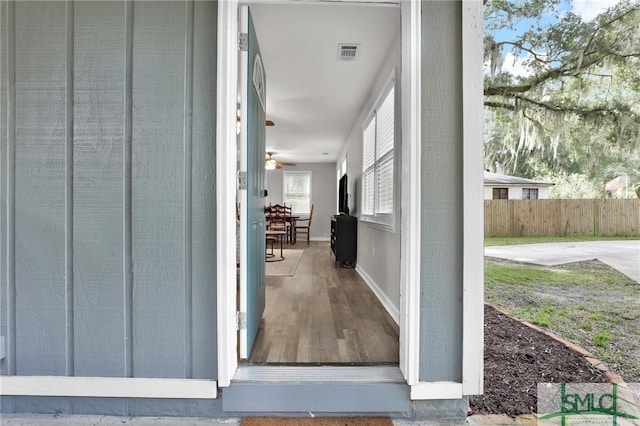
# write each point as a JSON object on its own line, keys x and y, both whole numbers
{"x": 574, "y": 109}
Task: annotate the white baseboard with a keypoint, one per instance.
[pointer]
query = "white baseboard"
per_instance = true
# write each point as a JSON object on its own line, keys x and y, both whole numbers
{"x": 386, "y": 302}
{"x": 436, "y": 390}
{"x": 108, "y": 387}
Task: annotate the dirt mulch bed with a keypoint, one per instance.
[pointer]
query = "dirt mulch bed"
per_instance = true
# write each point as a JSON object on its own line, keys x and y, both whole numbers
{"x": 516, "y": 359}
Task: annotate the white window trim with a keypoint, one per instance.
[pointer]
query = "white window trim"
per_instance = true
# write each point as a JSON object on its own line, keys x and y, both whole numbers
{"x": 375, "y": 221}
{"x": 298, "y": 172}
{"x": 473, "y": 199}
{"x": 411, "y": 106}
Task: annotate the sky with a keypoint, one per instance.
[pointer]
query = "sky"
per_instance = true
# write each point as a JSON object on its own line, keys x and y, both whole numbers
{"x": 587, "y": 9}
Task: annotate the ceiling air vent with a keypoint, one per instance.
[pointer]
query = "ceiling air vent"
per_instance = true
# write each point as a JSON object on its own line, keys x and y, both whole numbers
{"x": 347, "y": 51}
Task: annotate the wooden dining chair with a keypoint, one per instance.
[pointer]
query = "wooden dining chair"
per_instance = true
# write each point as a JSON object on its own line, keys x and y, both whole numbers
{"x": 304, "y": 225}
{"x": 277, "y": 220}
{"x": 288, "y": 215}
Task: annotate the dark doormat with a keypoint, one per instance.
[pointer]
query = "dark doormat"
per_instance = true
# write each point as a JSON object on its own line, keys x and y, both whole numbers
{"x": 316, "y": 421}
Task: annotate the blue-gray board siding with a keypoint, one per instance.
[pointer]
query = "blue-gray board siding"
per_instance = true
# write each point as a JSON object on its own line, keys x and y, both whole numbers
{"x": 203, "y": 218}
{"x": 157, "y": 206}
{"x": 98, "y": 188}
{"x": 108, "y": 222}
{"x": 40, "y": 188}
{"x": 114, "y": 406}
{"x": 442, "y": 205}
{"x": 7, "y": 178}
{"x": 108, "y": 161}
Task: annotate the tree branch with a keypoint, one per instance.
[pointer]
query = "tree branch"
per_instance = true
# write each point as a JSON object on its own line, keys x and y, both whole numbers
{"x": 521, "y": 46}
{"x": 503, "y": 105}
{"x": 577, "y": 110}
{"x": 580, "y": 111}
{"x": 564, "y": 70}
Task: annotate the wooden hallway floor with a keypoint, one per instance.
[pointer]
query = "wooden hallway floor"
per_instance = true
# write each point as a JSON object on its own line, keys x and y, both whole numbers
{"x": 322, "y": 315}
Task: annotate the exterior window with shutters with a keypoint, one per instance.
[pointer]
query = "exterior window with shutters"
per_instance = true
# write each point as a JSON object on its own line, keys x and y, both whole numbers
{"x": 378, "y": 159}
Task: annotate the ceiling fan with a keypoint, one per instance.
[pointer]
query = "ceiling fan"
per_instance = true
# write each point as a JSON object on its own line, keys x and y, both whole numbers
{"x": 272, "y": 164}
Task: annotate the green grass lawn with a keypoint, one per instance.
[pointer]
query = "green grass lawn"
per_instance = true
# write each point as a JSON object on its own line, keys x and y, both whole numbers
{"x": 587, "y": 303}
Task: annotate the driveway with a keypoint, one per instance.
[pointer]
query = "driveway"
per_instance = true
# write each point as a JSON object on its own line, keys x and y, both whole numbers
{"x": 622, "y": 255}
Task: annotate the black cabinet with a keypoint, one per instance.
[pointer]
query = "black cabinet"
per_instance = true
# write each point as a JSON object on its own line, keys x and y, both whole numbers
{"x": 344, "y": 239}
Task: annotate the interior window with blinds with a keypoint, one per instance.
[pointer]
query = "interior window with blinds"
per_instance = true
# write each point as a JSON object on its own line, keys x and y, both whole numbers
{"x": 378, "y": 160}
{"x": 297, "y": 191}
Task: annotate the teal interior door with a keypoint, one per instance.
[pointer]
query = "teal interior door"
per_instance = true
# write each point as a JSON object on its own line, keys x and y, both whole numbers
{"x": 253, "y": 126}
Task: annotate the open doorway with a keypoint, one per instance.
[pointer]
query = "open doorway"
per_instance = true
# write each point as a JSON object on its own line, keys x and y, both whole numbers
{"x": 322, "y": 314}
{"x": 408, "y": 308}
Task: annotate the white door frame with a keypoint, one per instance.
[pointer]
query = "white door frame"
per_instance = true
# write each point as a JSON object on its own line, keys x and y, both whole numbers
{"x": 410, "y": 175}
{"x": 226, "y": 178}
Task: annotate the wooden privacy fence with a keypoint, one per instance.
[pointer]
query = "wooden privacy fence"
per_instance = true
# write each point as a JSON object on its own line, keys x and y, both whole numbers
{"x": 551, "y": 218}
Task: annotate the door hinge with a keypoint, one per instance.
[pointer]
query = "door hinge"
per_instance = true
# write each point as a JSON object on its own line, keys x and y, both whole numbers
{"x": 242, "y": 180}
{"x": 241, "y": 320}
{"x": 243, "y": 42}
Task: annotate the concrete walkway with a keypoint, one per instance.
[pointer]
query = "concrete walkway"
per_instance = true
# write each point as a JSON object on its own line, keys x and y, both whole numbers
{"x": 86, "y": 420}
{"x": 622, "y": 255}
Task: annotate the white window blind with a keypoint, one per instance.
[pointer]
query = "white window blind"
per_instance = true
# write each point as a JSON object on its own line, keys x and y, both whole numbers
{"x": 378, "y": 160}
{"x": 297, "y": 191}
{"x": 369, "y": 165}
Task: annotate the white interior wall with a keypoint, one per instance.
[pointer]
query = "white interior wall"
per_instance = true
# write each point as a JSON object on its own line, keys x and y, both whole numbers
{"x": 323, "y": 194}
{"x": 378, "y": 250}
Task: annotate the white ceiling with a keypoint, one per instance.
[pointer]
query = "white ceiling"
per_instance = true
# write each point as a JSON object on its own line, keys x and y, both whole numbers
{"x": 313, "y": 98}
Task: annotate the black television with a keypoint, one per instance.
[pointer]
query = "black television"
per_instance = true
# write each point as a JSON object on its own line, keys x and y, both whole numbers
{"x": 343, "y": 196}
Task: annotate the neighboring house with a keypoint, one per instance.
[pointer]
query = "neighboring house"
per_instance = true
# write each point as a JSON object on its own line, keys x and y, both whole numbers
{"x": 504, "y": 187}
{"x": 617, "y": 187}
{"x": 118, "y": 290}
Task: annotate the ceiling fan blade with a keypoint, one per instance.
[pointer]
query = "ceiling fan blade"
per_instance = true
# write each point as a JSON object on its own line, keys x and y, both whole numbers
{"x": 278, "y": 164}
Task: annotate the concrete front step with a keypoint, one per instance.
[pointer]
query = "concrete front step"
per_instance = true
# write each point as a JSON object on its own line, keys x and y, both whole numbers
{"x": 323, "y": 389}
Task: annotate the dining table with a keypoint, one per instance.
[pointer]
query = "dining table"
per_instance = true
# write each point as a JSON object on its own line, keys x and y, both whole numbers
{"x": 292, "y": 221}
